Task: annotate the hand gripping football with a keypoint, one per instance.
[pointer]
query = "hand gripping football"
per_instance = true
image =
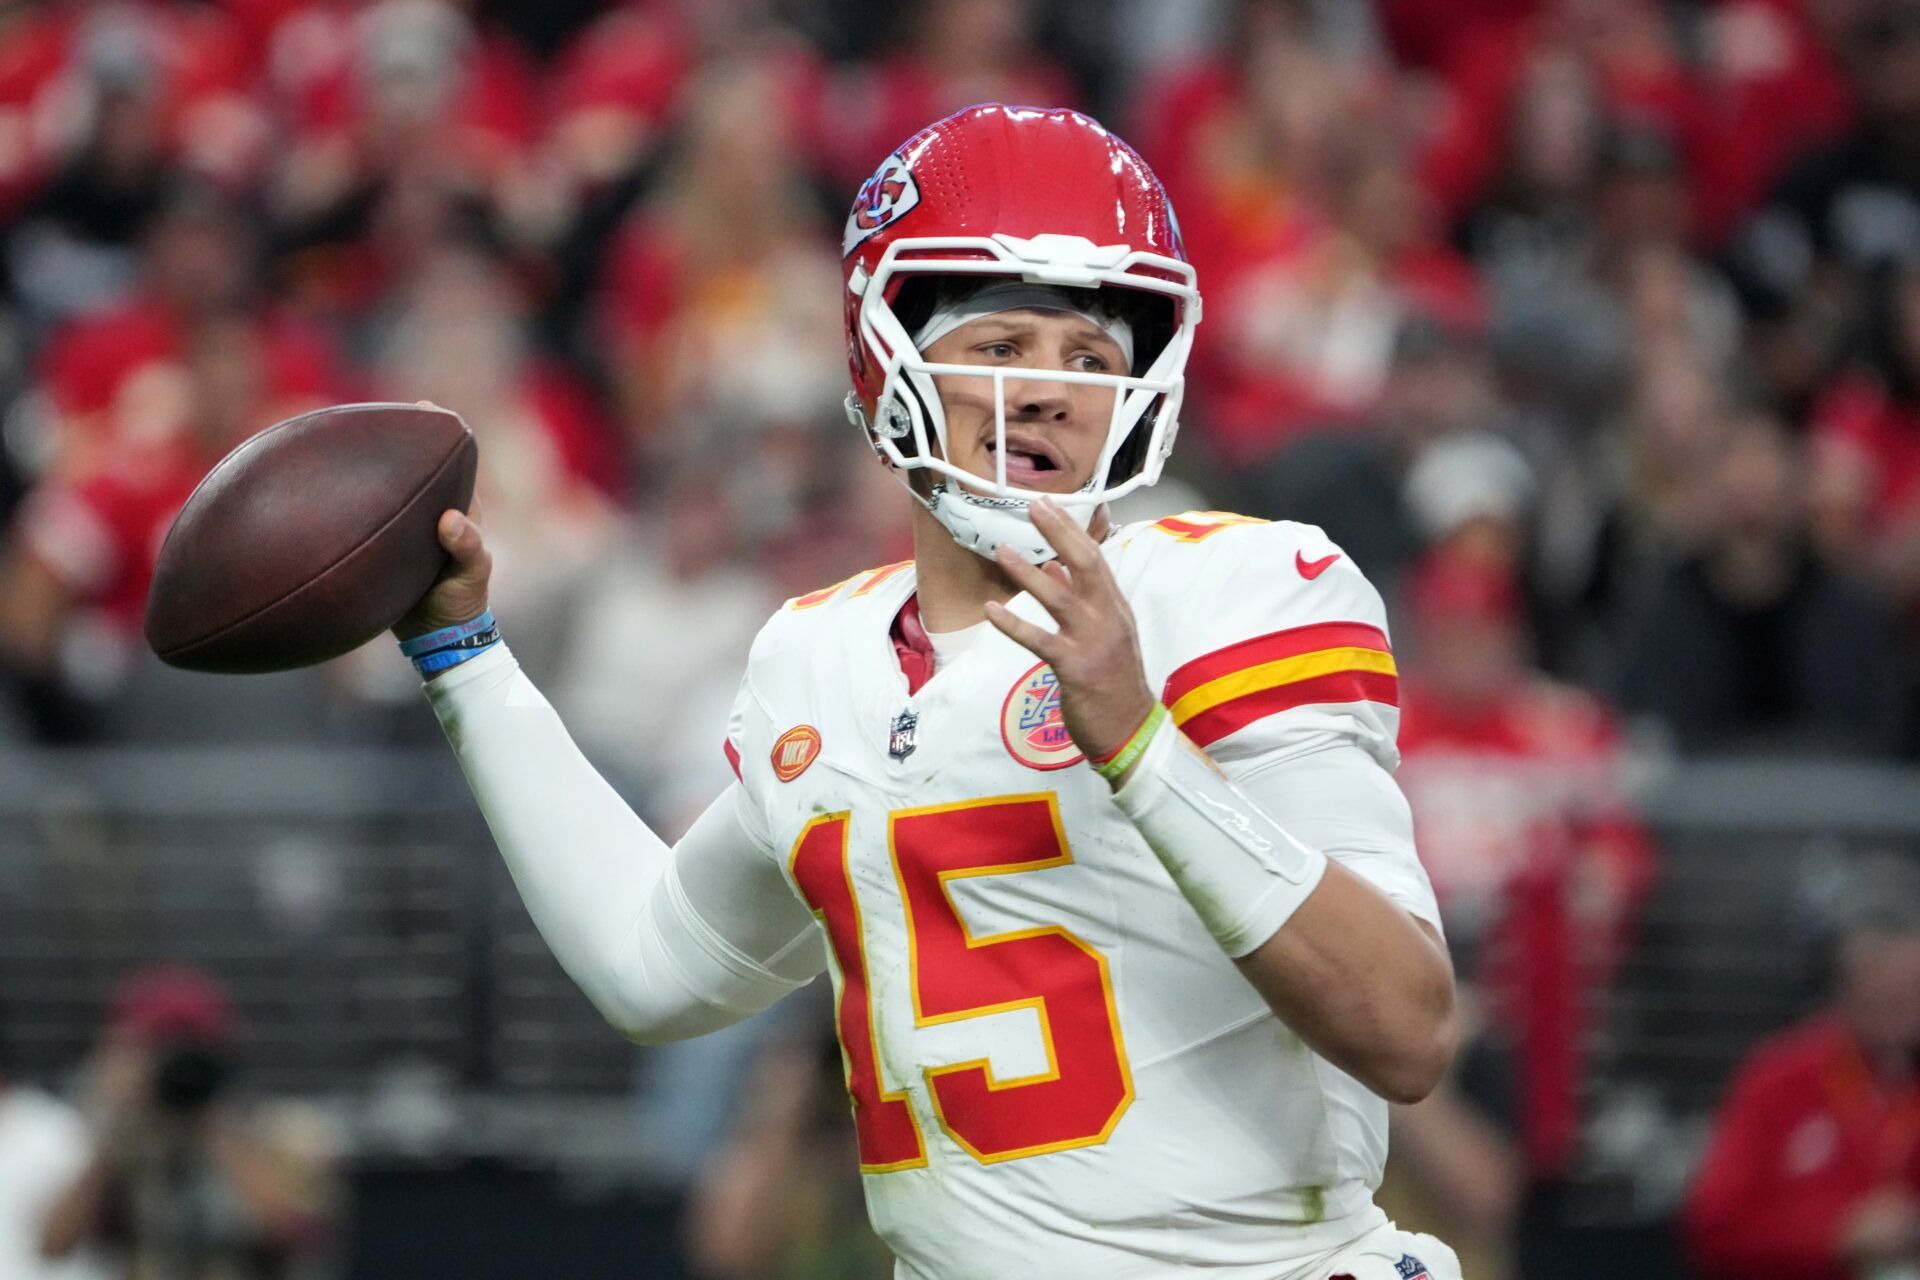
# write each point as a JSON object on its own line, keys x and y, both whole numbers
{"x": 309, "y": 539}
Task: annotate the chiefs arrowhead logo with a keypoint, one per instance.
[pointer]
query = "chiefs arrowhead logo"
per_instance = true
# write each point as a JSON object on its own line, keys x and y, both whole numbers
{"x": 885, "y": 198}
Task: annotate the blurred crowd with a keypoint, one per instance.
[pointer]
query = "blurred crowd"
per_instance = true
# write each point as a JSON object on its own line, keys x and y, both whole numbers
{"x": 1590, "y": 328}
{"x": 1595, "y": 319}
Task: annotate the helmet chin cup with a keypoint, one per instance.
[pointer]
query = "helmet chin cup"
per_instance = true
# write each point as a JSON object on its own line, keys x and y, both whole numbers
{"x": 983, "y": 525}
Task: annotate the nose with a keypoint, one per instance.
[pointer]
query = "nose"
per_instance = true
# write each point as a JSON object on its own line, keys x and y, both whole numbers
{"x": 1037, "y": 400}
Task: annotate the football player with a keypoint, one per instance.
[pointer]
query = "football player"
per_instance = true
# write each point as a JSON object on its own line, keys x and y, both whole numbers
{"x": 1094, "y": 826}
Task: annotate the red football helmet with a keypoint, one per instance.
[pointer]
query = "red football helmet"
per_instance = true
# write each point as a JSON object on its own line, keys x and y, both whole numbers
{"x": 1048, "y": 197}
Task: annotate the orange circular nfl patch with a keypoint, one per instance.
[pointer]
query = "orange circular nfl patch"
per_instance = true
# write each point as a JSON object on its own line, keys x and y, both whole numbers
{"x": 797, "y": 748}
{"x": 1031, "y": 724}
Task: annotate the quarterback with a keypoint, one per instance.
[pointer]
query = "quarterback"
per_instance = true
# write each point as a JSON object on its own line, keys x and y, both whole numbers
{"x": 1094, "y": 827}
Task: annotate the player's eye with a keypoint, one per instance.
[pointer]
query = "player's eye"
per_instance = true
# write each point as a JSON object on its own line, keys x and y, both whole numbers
{"x": 997, "y": 350}
{"x": 1088, "y": 362}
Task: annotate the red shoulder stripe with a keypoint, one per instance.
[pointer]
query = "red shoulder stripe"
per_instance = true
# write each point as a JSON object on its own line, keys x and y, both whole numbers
{"x": 1215, "y": 723}
{"x": 1272, "y": 647}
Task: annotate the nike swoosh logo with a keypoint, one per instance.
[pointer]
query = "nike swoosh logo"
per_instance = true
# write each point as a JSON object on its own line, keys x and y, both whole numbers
{"x": 1311, "y": 569}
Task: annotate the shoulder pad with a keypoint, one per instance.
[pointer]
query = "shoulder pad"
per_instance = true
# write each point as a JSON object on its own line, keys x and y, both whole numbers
{"x": 863, "y": 582}
{"x": 1197, "y": 526}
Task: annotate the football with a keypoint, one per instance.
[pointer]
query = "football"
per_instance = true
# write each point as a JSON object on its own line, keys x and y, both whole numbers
{"x": 310, "y": 539}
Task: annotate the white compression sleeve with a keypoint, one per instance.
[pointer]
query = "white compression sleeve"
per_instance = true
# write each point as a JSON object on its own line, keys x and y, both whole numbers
{"x": 667, "y": 943}
{"x": 1247, "y": 853}
{"x": 1243, "y": 873}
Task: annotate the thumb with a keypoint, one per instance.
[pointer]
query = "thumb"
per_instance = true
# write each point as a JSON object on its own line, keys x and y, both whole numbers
{"x": 460, "y": 536}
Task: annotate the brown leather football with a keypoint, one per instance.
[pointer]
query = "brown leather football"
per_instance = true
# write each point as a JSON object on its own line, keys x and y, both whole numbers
{"x": 310, "y": 539}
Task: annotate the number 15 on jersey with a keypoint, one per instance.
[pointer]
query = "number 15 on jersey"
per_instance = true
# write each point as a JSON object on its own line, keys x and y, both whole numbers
{"x": 954, "y": 975}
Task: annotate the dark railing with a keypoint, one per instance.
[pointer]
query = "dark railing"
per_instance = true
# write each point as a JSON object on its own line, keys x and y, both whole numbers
{"x": 353, "y": 903}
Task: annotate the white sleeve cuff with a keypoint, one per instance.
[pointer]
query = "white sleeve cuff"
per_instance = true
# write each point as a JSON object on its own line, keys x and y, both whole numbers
{"x": 1242, "y": 872}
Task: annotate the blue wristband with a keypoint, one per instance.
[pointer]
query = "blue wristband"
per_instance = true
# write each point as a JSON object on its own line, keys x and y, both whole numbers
{"x": 443, "y": 659}
{"x": 448, "y": 647}
{"x": 447, "y": 635}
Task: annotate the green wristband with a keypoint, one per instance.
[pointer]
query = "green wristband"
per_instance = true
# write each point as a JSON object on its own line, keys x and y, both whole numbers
{"x": 1114, "y": 767}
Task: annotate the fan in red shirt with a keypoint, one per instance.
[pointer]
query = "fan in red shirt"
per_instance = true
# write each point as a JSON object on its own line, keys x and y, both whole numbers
{"x": 958, "y": 52}
{"x": 725, "y": 255}
{"x": 1765, "y": 87}
{"x": 1296, "y": 203}
{"x": 1775, "y": 89}
{"x": 116, "y": 382}
{"x": 616, "y": 88}
{"x": 34, "y": 45}
{"x": 1623, "y": 52}
{"x": 190, "y": 65}
{"x": 1866, "y": 440}
{"x": 396, "y": 75}
{"x": 1513, "y": 780}
{"x": 83, "y": 546}
{"x": 204, "y": 73}
{"x": 1813, "y": 1170}
{"x": 396, "y": 94}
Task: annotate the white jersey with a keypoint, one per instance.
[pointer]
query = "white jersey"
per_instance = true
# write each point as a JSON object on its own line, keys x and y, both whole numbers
{"x": 1054, "y": 1069}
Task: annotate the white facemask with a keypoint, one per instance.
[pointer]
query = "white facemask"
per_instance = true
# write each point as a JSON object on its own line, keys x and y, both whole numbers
{"x": 909, "y": 429}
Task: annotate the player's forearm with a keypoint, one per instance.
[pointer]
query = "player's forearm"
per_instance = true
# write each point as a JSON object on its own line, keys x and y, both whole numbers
{"x": 599, "y": 885}
{"x": 584, "y": 863}
{"x": 1359, "y": 979}
{"x": 1347, "y": 968}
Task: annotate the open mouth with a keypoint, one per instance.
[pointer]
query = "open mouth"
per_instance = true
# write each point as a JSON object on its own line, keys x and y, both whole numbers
{"x": 1030, "y": 460}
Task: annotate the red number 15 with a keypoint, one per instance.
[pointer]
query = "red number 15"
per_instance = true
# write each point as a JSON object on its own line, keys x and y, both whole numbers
{"x": 954, "y": 975}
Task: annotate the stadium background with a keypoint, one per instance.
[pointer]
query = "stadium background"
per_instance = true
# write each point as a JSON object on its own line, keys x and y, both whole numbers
{"x": 1591, "y": 329}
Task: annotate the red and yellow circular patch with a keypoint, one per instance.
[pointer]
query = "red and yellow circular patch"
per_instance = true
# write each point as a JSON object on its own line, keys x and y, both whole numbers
{"x": 1031, "y": 724}
{"x": 794, "y": 750}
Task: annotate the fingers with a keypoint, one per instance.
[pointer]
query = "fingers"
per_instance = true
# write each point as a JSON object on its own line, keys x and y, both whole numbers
{"x": 1076, "y": 549}
{"x": 1036, "y": 640}
{"x": 1053, "y": 590}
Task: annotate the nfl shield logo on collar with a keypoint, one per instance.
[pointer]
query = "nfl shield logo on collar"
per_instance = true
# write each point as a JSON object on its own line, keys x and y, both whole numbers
{"x": 1411, "y": 1268}
{"x": 900, "y": 742}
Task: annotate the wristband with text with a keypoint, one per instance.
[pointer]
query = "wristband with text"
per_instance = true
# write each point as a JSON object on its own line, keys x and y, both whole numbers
{"x": 448, "y": 647}
{"x": 1116, "y": 765}
{"x": 445, "y": 636}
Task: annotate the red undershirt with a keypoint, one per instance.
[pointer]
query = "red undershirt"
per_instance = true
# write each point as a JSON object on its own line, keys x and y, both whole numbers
{"x": 911, "y": 645}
